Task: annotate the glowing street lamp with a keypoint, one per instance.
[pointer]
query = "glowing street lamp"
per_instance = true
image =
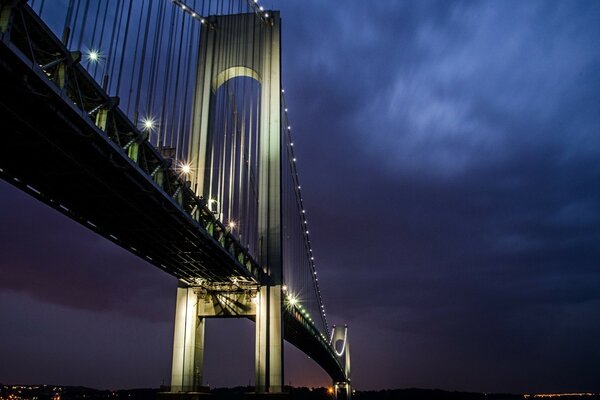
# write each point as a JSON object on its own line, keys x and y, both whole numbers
{"x": 185, "y": 168}
{"x": 93, "y": 55}
{"x": 292, "y": 300}
{"x": 148, "y": 124}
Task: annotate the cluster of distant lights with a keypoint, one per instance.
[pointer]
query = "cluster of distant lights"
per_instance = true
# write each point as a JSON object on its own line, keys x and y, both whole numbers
{"x": 542, "y": 395}
{"x": 292, "y": 300}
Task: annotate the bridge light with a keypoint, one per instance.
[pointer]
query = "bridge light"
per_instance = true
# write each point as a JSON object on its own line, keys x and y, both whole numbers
{"x": 148, "y": 124}
{"x": 202, "y": 20}
{"x": 285, "y": 110}
{"x": 93, "y": 55}
{"x": 231, "y": 225}
{"x": 284, "y": 288}
{"x": 185, "y": 168}
{"x": 289, "y": 127}
{"x": 294, "y": 159}
{"x": 292, "y": 300}
{"x": 266, "y": 15}
{"x": 263, "y": 9}
{"x": 194, "y": 14}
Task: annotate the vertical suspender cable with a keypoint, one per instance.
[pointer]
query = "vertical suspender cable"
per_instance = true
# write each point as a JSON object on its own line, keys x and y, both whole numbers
{"x": 163, "y": 126}
{"x": 142, "y": 63}
{"x": 67, "y": 28}
{"x": 155, "y": 60}
{"x": 178, "y": 153}
{"x": 73, "y": 22}
{"x": 173, "y": 90}
{"x": 83, "y": 24}
{"x": 123, "y": 48}
{"x": 181, "y": 124}
{"x": 135, "y": 60}
{"x": 101, "y": 40}
{"x": 97, "y": 14}
{"x": 106, "y": 71}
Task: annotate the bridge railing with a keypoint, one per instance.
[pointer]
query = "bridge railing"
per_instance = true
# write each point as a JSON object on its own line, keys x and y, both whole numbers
{"x": 24, "y": 31}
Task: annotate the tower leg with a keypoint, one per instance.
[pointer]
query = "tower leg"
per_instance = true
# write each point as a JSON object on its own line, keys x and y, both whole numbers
{"x": 269, "y": 341}
{"x": 188, "y": 343}
{"x": 342, "y": 390}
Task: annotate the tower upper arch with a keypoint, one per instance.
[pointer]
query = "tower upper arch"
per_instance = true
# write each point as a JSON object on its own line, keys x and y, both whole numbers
{"x": 234, "y": 72}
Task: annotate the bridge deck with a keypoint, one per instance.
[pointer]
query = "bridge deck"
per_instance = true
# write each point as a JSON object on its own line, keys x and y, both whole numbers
{"x": 54, "y": 151}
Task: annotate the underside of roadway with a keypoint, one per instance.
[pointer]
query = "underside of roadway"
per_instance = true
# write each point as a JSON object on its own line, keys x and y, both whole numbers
{"x": 53, "y": 151}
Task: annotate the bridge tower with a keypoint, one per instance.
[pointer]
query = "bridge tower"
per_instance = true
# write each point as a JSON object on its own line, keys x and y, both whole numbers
{"x": 341, "y": 347}
{"x": 231, "y": 46}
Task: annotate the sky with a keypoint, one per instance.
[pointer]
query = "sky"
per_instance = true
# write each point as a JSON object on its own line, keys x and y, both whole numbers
{"x": 449, "y": 154}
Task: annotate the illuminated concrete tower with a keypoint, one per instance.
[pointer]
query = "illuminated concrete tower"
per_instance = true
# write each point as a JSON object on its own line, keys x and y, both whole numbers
{"x": 232, "y": 46}
{"x": 341, "y": 346}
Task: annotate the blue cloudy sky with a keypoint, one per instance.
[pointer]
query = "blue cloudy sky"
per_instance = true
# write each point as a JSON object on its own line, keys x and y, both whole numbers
{"x": 450, "y": 161}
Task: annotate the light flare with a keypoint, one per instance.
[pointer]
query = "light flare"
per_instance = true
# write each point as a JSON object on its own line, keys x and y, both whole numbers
{"x": 93, "y": 56}
{"x": 148, "y": 124}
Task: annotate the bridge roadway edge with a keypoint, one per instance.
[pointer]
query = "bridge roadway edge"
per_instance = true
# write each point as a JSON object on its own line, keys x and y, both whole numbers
{"x": 38, "y": 155}
{"x": 26, "y": 163}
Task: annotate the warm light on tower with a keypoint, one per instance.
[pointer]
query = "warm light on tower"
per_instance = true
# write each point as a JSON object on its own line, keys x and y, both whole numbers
{"x": 186, "y": 168}
{"x": 292, "y": 300}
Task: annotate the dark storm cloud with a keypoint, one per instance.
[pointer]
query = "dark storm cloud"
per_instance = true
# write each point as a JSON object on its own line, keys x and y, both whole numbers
{"x": 457, "y": 212}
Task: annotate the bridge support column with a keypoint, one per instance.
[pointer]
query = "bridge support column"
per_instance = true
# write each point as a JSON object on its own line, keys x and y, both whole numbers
{"x": 249, "y": 45}
{"x": 269, "y": 341}
{"x": 188, "y": 343}
{"x": 342, "y": 391}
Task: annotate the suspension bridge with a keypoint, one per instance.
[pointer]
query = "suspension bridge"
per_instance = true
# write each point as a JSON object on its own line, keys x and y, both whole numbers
{"x": 163, "y": 126}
